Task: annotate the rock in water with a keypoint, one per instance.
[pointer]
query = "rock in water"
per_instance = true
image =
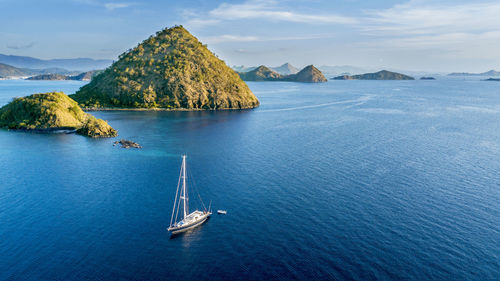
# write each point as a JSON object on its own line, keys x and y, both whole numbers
{"x": 127, "y": 144}
{"x": 52, "y": 112}
{"x": 169, "y": 70}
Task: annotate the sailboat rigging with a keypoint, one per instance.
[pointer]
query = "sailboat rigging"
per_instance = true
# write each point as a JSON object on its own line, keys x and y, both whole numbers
{"x": 187, "y": 220}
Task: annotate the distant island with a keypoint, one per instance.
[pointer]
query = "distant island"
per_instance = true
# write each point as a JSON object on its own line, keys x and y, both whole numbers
{"x": 487, "y": 73}
{"x": 171, "y": 70}
{"x": 242, "y": 68}
{"x": 261, "y": 73}
{"x": 49, "y": 112}
{"x": 54, "y": 65}
{"x": 340, "y": 70}
{"x": 492, "y": 79}
{"x": 84, "y": 76}
{"x": 12, "y": 72}
{"x": 48, "y": 77}
{"x": 284, "y": 69}
{"x": 308, "y": 74}
{"x": 381, "y": 75}
{"x": 427, "y": 78}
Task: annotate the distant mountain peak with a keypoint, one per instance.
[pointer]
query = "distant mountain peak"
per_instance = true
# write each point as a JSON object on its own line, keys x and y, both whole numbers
{"x": 285, "y": 69}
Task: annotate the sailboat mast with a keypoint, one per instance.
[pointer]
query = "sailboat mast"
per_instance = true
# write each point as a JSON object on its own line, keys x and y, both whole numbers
{"x": 184, "y": 183}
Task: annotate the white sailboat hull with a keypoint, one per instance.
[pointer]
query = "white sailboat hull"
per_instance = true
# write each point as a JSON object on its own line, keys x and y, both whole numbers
{"x": 189, "y": 220}
{"x": 192, "y": 224}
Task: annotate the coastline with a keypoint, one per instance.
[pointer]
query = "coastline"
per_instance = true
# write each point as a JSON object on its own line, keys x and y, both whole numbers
{"x": 55, "y": 130}
{"x": 91, "y": 109}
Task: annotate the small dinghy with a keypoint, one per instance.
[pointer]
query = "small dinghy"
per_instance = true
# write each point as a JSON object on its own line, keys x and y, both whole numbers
{"x": 221, "y": 212}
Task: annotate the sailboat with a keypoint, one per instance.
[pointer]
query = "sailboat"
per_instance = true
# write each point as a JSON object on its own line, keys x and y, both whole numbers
{"x": 187, "y": 220}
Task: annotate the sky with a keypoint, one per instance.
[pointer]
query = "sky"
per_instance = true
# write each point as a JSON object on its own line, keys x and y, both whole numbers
{"x": 420, "y": 35}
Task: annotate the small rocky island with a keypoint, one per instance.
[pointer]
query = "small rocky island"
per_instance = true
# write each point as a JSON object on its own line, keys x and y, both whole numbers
{"x": 381, "y": 75}
{"x": 127, "y": 144}
{"x": 492, "y": 79}
{"x": 171, "y": 70}
{"x": 308, "y": 74}
{"x": 52, "y": 112}
{"x": 427, "y": 78}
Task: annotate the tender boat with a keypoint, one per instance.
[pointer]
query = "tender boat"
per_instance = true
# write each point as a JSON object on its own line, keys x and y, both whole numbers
{"x": 187, "y": 220}
{"x": 222, "y": 212}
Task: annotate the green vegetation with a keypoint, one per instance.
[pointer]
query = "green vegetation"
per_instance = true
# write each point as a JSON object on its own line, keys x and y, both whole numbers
{"x": 381, "y": 75}
{"x": 169, "y": 70}
{"x": 52, "y": 111}
{"x": 308, "y": 74}
{"x": 96, "y": 128}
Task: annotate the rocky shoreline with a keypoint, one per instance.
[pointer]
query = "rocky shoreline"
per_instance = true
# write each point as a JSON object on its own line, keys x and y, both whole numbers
{"x": 159, "y": 109}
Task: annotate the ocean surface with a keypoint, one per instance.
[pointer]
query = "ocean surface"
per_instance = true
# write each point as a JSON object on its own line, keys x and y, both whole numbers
{"x": 340, "y": 180}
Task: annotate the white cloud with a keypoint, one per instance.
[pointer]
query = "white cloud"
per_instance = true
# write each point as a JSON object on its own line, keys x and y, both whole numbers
{"x": 112, "y": 6}
{"x": 266, "y": 10}
{"x": 20, "y": 46}
{"x": 238, "y": 38}
{"x": 465, "y": 30}
{"x": 109, "y": 6}
{"x": 417, "y": 17}
{"x": 229, "y": 38}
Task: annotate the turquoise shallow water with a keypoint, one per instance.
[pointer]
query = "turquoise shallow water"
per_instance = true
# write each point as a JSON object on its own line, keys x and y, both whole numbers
{"x": 341, "y": 180}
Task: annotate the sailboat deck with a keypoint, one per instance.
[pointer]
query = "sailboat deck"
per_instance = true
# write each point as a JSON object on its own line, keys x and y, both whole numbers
{"x": 194, "y": 216}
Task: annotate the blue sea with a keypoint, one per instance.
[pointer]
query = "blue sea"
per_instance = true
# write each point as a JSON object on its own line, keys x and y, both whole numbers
{"x": 360, "y": 180}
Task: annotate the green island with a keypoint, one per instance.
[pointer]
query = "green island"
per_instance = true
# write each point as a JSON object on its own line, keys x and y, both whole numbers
{"x": 51, "y": 112}
{"x": 308, "y": 74}
{"x": 381, "y": 75}
{"x": 171, "y": 70}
